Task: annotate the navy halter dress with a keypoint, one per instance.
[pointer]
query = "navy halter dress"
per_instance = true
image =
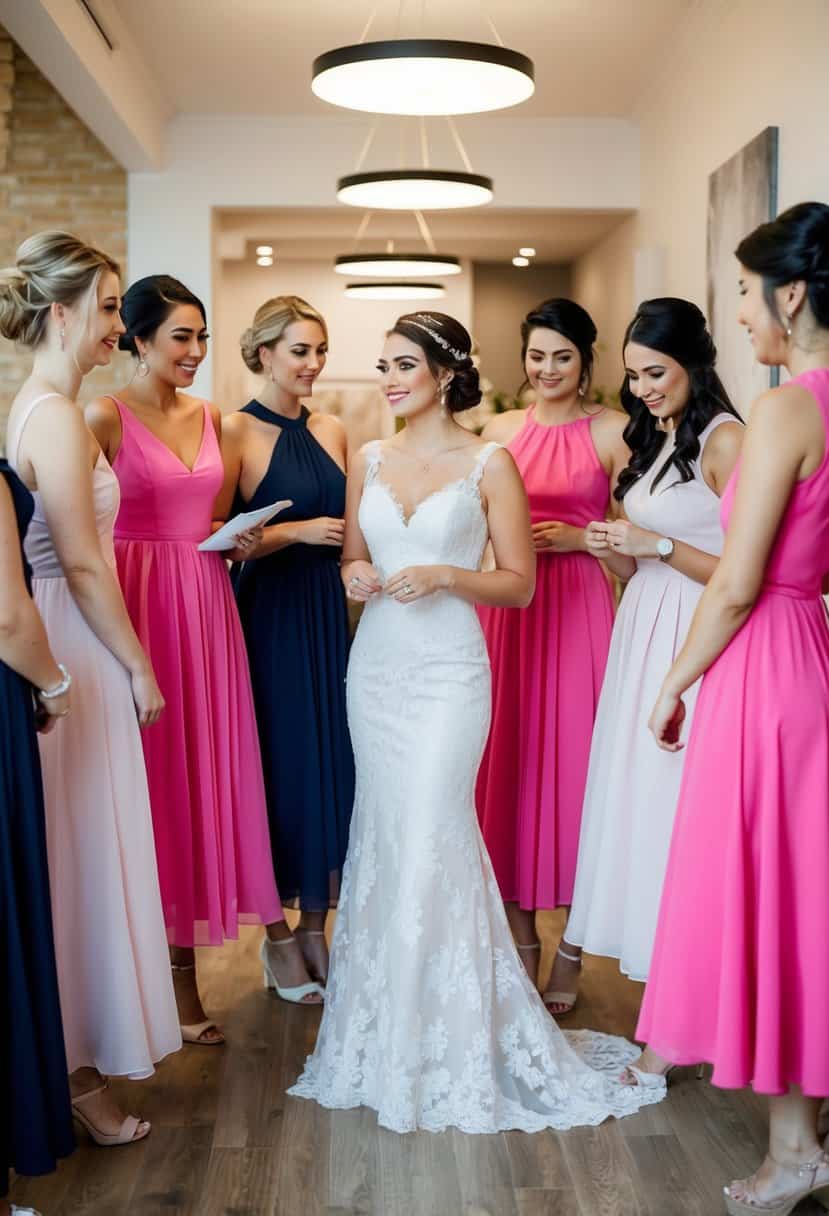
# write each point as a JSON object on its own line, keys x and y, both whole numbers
{"x": 35, "y": 1115}
{"x": 295, "y": 621}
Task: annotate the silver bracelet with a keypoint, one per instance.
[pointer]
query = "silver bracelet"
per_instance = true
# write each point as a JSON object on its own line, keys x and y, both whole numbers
{"x": 57, "y": 690}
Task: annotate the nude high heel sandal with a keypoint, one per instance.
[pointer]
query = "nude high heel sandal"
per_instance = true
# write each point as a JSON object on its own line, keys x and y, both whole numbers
{"x": 806, "y": 1173}
{"x": 130, "y": 1132}
{"x": 16, "y": 1211}
{"x": 293, "y": 995}
{"x": 194, "y": 1032}
{"x": 567, "y": 999}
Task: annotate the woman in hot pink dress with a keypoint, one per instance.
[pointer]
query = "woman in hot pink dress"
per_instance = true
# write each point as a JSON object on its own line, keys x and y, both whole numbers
{"x": 203, "y": 761}
{"x": 740, "y": 973}
{"x": 548, "y": 660}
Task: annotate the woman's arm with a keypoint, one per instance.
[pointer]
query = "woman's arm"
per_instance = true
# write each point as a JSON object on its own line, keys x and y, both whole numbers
{"x": 784, "y": 433}
{"x": 23, "y": 643}
{"x": 360, "y": 578}
{"x": 59, "y": 448}
{"x": 104, "y": 421}
{"x": 512, "y": 583}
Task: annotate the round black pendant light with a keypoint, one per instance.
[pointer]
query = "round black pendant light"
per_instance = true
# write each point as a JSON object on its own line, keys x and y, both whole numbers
{"x": 414, "y": 190}
{"x": 404, "y": 264}
{"x": 395, "y": 291}
{"x": 423, "y": 76}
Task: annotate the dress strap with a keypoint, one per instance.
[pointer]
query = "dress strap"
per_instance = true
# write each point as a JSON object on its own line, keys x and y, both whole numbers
{"x": 14, "y": 436}
{"x": 260, "y": 411}
{"x": 481, "y": 461}
{"x": 374, "y": 458}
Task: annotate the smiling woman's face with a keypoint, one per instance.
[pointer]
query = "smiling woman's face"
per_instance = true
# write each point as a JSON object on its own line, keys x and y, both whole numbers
{"x": 657, "y": 380}
{"x": 406, "y": 378}
{"x": 552, "y": 365}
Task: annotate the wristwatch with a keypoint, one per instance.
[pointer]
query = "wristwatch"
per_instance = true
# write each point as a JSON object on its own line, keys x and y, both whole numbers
{"x": 664, "y": 548}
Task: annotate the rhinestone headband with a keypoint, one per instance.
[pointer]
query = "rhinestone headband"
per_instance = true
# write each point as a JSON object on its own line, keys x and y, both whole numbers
{"x": 421, "y": 323}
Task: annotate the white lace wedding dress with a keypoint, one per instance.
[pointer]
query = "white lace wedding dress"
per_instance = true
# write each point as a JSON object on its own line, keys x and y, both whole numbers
{"x": 430, "y": 1018}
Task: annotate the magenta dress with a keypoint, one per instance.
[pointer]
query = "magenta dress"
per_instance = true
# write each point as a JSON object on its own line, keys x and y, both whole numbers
{"x": 203, "y": 762}
{"x": 740, "y": 973}
{"x": 548, "y": 662}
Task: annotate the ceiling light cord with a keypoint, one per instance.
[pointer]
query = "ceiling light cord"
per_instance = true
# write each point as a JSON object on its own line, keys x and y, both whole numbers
{"x": 424, "y": 232}
{"x": 467, "y": 163}
{"x": 362, "y": 229}
{"x": 366, "y": 148}
{"x": 424, "y": 143}
{"x": 368, "y": 24}
{"x": 491, "y": 24}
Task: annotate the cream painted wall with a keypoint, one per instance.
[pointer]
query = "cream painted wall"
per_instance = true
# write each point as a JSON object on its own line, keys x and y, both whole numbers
{"x": 735, "y": 67}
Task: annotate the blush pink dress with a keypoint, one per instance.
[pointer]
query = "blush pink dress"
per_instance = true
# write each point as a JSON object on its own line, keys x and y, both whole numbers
{"x": 548, "y": 662}
{"x": 203, "y": 762}
{"x": 740, "y": 973}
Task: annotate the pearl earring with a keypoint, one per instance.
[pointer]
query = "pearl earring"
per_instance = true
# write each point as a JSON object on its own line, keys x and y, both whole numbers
{"x": 789, "y": 327}
{"x": 143, "y": 367}
{"x": 63, "y": 338}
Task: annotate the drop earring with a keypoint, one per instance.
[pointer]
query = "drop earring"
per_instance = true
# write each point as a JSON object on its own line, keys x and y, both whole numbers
{"x": 143, "y": 367}
{"x": 63, "y": 338}
{"x": 788, "y": 328}
{"x": 444, "y": 413}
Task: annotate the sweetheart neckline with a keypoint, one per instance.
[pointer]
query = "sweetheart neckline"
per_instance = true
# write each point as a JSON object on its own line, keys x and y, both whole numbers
{"x": 405, "y": 519}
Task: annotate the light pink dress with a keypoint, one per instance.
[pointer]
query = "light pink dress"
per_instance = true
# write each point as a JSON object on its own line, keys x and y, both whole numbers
{"x": 203, "y": 761}
{"x": 548, "y": 662}
{"x": 740, "y": 973}
{"x": 116, "y": 991}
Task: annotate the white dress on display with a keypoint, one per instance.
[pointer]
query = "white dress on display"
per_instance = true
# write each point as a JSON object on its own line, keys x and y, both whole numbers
{"x": 632, "y": 785}
{"x": 430, "y": 1018}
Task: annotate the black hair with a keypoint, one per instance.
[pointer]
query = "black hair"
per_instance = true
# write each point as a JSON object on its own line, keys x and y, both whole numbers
{"x": 570, "y": 320}
{"x": 147, "y": 304}
{"x": 676, "y": 328}
{"x": 446, "y": 345}
{"x": 793, "y": 247}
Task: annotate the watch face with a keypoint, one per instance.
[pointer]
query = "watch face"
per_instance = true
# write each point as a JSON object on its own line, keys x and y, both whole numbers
{"x": 664, "y": 546}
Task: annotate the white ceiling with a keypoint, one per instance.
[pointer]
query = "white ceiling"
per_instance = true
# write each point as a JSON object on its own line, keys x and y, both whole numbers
{"x": 485, "y": 234}
{"x": 592, "y": 57}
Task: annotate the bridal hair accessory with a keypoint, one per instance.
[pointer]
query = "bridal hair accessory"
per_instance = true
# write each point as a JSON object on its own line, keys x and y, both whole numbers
{"x": 426, "y": 322}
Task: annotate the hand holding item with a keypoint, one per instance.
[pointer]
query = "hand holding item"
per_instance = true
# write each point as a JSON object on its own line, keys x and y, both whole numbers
{"x": 361, "y": 581}
{"x": 666, "y": 720}
{"x": 245, "y": 544}
{"x": 415, "y": 582}
{"x": 321, "y": 531}
{"x": 624, "y": 537}
{"x": 553, "y": 536}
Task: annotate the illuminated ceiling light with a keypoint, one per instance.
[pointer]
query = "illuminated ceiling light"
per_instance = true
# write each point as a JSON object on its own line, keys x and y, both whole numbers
{"x": 264, "y": 251}
{"x": 395, "y": 291}
{"x": 414, "y": 190}
{"x": 519, "y": 261}
{"x": 408, "y": 264}
{"x": 423, "y": 76}
{"x": 264, "y": 261}
{"x": 527, "y": 252}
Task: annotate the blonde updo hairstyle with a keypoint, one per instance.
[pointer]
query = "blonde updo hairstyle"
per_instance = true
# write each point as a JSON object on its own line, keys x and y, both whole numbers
{"x": 269, "y": 324}
{"x": 51, "y": 268}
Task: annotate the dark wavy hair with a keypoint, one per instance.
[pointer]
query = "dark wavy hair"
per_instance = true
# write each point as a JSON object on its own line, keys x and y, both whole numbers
{"x": 147, "y": 304}
{"x": 570, "y": 320}
{"x": 792, "y": 247}
{"x": 446, "y": 345}
{"x": 676, "y": 328}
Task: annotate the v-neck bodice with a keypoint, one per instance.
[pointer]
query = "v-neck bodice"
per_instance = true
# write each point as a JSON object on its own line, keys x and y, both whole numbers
{"x": 161, "y": 499}
{"x": 300, "y": 470}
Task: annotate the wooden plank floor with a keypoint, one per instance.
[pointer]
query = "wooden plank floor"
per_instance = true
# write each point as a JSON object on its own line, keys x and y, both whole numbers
{"x": 227, "y": 1142}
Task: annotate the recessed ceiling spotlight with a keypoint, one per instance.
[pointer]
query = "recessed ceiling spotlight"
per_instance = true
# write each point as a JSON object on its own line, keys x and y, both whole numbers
{"x": 414, "y": 190}
{"x": 264, "y": 261}
{"x": 423, "y": 76}
{"x": 519, "y": 261}
{"x": 264, "y": 251}
{"x": 527, "y": 252}
{"x": 395, "y": 291}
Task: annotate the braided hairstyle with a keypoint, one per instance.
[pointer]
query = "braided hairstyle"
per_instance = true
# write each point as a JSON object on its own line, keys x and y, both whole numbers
{"x": 446, "y": 345}
{"x": 676, "y": 328}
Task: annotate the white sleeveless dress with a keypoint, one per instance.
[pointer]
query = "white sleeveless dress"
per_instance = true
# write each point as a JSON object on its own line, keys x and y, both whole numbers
{"x": 632, "y": 785}
{"x": 430, "y": 1018}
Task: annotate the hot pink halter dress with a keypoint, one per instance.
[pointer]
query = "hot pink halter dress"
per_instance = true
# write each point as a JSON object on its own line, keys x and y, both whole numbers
{"x": 548, "y": 662}
{"x": 740, "y": 973}
{"x": 203, "y": 762}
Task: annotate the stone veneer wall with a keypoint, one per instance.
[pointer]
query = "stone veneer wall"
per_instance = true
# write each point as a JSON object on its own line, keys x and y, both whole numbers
{"x": 53, "y": 174}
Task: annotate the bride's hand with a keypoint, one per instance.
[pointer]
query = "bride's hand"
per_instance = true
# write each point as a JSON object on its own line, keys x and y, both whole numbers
{"x": 414, "y": 582}
{"x": 361, "y": 580}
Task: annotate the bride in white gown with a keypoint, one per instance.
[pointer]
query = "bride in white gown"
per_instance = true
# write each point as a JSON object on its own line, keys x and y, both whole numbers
{"x": 430, "y": 1018}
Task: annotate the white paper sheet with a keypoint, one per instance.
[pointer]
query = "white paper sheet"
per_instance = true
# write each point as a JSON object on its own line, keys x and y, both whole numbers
{"x": 226, "y": 535}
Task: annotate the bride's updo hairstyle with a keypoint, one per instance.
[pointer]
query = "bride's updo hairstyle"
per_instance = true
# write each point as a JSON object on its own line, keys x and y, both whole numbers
{"x": 269, "y": 324}
{"x": 573, "y": 322}
{"x": 50, "y": 268}
{"x": 676, "y": 328}
{"x": 447, "y": 346}
{"x": 793, "y": 247}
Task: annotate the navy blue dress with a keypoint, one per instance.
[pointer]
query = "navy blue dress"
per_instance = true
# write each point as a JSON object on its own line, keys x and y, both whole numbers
{"x": 295, "y": 621}
{"x": 35, "y": 1114}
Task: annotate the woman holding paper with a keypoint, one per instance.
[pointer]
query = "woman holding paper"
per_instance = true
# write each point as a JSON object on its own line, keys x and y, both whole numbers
{"x": 203, "y": 762}
{"x": 293, "y": 609}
